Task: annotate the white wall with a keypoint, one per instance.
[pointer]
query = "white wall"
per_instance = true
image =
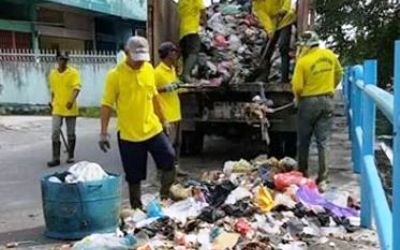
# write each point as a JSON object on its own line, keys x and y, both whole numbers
{"x": 26, "y": 82}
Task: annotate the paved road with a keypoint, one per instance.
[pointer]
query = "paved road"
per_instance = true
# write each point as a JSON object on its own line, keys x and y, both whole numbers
{"x": 25, "y": 148}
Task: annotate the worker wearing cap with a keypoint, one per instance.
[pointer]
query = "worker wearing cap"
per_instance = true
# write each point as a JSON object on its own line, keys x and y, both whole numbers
{"x": 130, "y": 88}
{"x": 65, "y": 85}
{"x": 167, "y": 85}
{"x": 191, "y": 15}
{"x": 277, "y": 18}
{"x": 316, "y": 76}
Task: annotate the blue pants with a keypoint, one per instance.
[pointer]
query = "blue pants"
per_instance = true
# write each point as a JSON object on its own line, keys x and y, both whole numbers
{"x": 134, "y": 156}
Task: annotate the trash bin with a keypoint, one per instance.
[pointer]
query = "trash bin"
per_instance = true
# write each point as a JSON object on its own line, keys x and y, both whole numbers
{"x": 73, "y": 211}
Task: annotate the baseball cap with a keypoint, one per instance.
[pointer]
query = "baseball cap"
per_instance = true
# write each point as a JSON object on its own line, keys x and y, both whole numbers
{"x": 165, "y": 48}
{"x": 138, "y": 48}
{"x": 63, "y": 55}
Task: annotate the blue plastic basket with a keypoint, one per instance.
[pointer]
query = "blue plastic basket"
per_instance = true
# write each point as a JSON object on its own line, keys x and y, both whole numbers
{"x": 73, "y": 211}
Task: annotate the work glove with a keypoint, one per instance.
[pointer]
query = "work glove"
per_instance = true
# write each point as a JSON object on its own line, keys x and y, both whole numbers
{"x": 296, "y": 102}
{"x": 104, "y": 142}
{"x": 170, "y": 87}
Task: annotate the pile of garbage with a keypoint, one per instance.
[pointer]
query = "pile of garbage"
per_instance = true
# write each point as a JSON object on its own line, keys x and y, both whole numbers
{"x": 262, "y": 204}
{"x": 232, "y": 44}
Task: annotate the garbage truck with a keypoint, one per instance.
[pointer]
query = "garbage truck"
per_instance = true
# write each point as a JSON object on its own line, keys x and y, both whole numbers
{"x": 230, "y": 110}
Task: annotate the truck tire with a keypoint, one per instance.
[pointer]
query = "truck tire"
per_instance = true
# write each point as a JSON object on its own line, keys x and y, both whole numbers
{"x": 192, "y": 142}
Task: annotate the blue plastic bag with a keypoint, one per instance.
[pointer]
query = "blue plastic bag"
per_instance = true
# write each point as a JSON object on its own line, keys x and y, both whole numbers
{"x": 154, "y": 210}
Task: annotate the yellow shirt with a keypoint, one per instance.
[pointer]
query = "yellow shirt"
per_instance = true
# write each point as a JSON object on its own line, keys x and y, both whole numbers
{"x": 267, "y": 12}
{"x": 317, "y": 72}
{"x": 170, "y": 103}
{"x": 62, "y": 86}
{"x": 132, "y": 93}
{"x": 189, "y": 12}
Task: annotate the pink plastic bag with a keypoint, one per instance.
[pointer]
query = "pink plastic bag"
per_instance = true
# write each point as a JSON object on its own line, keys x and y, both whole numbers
{"x": 242, "y": 226}
{"x": 220, "y": 41}
{"x": 284, "y": 180}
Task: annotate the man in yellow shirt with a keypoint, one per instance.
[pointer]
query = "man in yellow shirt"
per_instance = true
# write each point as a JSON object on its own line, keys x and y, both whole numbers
{"x": 277, "y": 18}
{"x": 130, "y": 88}
{"x": 316, "y": 76}
{"x": 191, "y": 15}
{"x": 167, "y": 84}
{"x": 65, "y": 85}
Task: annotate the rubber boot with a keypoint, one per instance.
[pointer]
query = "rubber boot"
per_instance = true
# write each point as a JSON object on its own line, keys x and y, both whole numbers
{"x": 180, "y": 171}
{"x": 190, "y": 62}
{"x": 56, "y": 155}
{"x": 71, "y": 151}
{"x": 135, "y": 196}
{"x": 167, "y": 179}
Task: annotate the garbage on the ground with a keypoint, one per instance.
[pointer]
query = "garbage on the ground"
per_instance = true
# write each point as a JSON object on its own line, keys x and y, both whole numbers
{"x": 235, "y": 210}
{"x": 105, "y": 241}
{"x": 83, "y": 171}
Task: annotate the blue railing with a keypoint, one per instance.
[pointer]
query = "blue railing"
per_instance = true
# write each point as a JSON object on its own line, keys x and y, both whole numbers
{"x": 362, "y": 97}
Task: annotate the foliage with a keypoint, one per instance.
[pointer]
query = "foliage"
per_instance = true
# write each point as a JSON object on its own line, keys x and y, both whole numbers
{"x": 361, "y": 29}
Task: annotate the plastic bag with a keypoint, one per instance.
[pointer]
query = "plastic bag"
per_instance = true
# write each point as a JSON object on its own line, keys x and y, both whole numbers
{"x": 263, "y": 200}
{"x": 313, "y": 197}
{"x": 230, "y": 9}
{"x": 234, "y": 42}
{"x": 204, "y": 240}
{"x": 287, "y": 164}
{"x": 178, "y": 192}
{"x": 216, "y": 22}
{"x": 242, "y": 226}
{"x": 284, "y": 180}
{"x": 105, "y": 242}
{"x": 154, "y": 210}
{"x": 238, "y": 194}
{"x": 220, "y": 41}
{"x": 181, "y": 210}
{"x": 85, "y": 171}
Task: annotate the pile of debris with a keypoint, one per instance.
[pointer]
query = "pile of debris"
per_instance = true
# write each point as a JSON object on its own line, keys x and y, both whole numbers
{"x": 262, "y": 204}
{"x": 232, "y": 42}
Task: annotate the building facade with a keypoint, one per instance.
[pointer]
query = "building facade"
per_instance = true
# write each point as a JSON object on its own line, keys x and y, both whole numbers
{"x": 70, "y": 24}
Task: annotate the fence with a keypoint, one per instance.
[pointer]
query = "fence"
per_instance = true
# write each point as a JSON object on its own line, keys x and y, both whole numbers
{"x": 362, "y": 96}
{"x": 23, "y": 75}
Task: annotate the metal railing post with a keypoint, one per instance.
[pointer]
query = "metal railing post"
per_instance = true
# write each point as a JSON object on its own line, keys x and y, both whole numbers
{"x": 358, "y": 75}
{"x": 347, "y": 97}
{"x": 368, "y": 128}
{"x": 396, "y": 149}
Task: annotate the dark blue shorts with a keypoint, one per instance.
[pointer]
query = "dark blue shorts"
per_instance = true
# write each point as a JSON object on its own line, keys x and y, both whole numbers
{"x": 134, "y": 156}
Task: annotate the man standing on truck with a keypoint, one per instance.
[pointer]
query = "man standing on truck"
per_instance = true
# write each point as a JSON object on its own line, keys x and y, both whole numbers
{"x": 192, "y": 14}
{"x": 316, "y": 76}
{"x": 130, "y": 86}
{"x": 167, "y": 85}
{"x": 65, "y": 84}
{"x": 277, "y": 17}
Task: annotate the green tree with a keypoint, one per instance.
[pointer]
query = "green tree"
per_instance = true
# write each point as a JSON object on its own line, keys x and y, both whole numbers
{"x": 361, "y": 29}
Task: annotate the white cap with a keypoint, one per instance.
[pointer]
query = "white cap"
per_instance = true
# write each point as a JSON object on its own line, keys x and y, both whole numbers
{"x": 138, "y": 48}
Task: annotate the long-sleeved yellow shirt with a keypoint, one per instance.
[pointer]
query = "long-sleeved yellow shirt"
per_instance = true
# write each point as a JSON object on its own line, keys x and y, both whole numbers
{"x": 317, "y": 72}
{"x": 267, "y": 13}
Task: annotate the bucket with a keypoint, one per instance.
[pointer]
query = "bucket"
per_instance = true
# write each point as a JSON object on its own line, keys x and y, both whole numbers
{"x": 73, "y": 211}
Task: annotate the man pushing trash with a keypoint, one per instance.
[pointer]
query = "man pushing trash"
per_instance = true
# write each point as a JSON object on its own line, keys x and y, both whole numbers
{"x": 131, "y": 89}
